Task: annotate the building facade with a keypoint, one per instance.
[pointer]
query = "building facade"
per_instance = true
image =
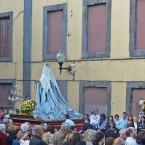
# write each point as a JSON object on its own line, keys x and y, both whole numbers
{"x": 105, "y": 39}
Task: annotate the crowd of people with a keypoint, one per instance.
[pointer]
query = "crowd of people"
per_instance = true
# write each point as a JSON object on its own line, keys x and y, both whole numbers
{"x": 97, "y": 129}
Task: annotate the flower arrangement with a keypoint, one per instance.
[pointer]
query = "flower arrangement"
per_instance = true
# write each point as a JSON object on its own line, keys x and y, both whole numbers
{"x": 27, "y": 106}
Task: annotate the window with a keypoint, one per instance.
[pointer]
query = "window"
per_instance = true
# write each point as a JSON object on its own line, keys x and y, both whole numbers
{"x": 5, "y": 89}
{"x": 6, "y": 36}
{"x": 95, "y": 95}
{"x": 96, "y": 28}
{"x": 55, "y": 30}
{"x": 137, "y": 30}
{"x": 135, "y": 93}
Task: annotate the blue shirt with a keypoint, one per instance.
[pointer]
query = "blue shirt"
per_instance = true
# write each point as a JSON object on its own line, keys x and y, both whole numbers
{"x": 15, "y": 142}
{"x": 122, "y": 123}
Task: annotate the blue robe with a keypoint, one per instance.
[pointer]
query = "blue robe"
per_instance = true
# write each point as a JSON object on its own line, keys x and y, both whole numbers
{"x": 51, "y": 105}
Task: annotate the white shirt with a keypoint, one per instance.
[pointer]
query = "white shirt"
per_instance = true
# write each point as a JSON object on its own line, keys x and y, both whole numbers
{"x": 135, "y": 125}
{"x": 130, "y": 141}
{"x": 94, "y": 119}
{"x": 116, "y": 123}
{"x": 70, "y": 122}
{"x": 24, "y": 142}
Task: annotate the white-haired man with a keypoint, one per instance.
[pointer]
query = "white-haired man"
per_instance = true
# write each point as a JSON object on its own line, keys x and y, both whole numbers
{"x": 3, "y": 137}
{"x": 37, "y": 132}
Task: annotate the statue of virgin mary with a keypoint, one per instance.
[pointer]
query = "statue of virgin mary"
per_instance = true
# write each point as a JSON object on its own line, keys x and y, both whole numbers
{"x": 50, "y": 104}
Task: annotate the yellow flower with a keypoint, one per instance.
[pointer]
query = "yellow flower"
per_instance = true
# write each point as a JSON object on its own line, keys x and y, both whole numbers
{"x": 27, "y": 106}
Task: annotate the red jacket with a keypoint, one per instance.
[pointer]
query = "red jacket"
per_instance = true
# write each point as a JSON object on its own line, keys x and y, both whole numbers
{"x": 3, "y": 139}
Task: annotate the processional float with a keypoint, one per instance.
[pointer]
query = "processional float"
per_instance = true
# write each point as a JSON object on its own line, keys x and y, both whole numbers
{"x": 50, "y": 103}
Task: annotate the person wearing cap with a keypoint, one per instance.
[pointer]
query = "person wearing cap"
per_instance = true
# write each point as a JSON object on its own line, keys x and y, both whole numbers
{"x": 3, "y": 136}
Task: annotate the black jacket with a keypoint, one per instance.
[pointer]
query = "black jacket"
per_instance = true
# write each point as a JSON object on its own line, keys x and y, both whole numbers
{"x": 36, "y": 141}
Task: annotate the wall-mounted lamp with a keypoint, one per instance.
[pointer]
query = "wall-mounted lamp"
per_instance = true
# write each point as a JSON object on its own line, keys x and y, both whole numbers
{"x": 60, "y": 59}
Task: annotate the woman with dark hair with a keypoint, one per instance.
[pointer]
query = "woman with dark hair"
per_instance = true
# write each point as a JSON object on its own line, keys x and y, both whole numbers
{"x": 17, "y": 136}
{"x": 130, "y": 122}
{"x": 99, "y": 139}
{"x": 102, "y": 122}
{"x": 141, "y": 124}
{"x": 116, "y": 120}
{"x": 110, "y": 123}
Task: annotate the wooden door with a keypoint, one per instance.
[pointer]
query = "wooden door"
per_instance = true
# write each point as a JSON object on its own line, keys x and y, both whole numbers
{"x": 5, "y": 89}
{"x": 96, "y": 98}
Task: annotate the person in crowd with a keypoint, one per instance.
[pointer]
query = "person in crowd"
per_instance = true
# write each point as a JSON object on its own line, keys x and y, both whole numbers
{"x": 119, "y": 141}
{"x": 111, "y": 133}
{"x": 141, "y": 124}
{"x": 86, "y": 118}
{"x": 47, "y": 138}
{"x": 51, "y": 129}
{"x": 89, "y": 136}
{"x": 60, "y": 135}
{"x": 75, "y": 139}
{"x": 141, "y": 138}
{"x": 67, "y": 139}
{"x": 3, "y": 136}
{"x": 6, "y": 119}
{"x": 68, "y": 120}
{"x": 116, "y": 120}
{"x": 94, "y": 118}
{"x": 26, "y": 128}
{"x": 109, "y": 141}
{"x": 102, "y": 122}
{"x": 85, "y": 126}
{"x": 123, "y": 121}
{"x": 71, "y": 139}
{"x": 49, "y": 133}
{"x": 110, "y": 123}
{"x": 27, "y": 132}
{"x": 130, "y": 122}
{"x": 122, "y": 134}
{"x": 131, "y": 136}
{"x": 99, "y": 138}
{"x": 25, "y": 139}
{"x": 135, "y": 122}
{"x": 44, "y": 126}
{"x": 17, "y": 136}
{"x": 10, "y": 133}
{"x": 10, "y": 123}
{"x": 37, "y": 132}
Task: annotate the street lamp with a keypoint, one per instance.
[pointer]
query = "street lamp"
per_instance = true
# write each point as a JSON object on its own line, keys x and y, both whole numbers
{"x": 60, "y": 59}
{"x": 15, "y": 96}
